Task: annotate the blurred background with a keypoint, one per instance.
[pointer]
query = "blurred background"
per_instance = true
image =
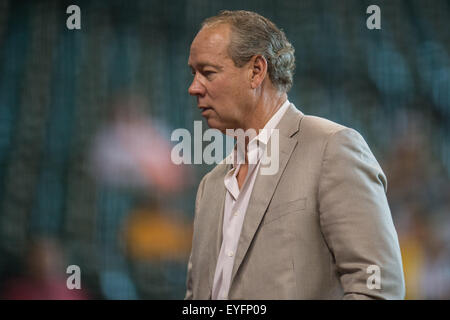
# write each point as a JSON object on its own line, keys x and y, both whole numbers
{"x": 86, "y": 117}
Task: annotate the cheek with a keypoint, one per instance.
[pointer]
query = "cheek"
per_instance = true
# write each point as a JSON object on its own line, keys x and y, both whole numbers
{"x": 228, "y": 95}
{"x": 221, "y": 93}
{"x": 234, "y": 89}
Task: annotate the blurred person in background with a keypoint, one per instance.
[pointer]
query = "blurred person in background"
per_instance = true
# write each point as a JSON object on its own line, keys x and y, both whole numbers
{"x": 154, "y": 233}
{"x": 130, "y": 156}
{"x": 314, "y": 228}
{"x": 156, "y": 240}
{"x": 44, "y": 276}
{"x": 131, "y": 150}
{"x": 418, "y": 195}
{"x": 435, "y": 277}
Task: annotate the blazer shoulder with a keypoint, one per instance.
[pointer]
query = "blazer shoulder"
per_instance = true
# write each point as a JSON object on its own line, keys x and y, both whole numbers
{"x": 324, "y": 129}
{"x": 322, "y": 132}
{"x": 320, "y": 127}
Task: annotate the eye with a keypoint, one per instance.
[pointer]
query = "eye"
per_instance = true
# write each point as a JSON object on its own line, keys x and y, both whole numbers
{"x": 208, "y": 73}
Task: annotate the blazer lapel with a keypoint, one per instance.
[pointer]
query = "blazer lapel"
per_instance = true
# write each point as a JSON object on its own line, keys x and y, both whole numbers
{"x": 214, "y": 222}
{"x": 265, "y": 185}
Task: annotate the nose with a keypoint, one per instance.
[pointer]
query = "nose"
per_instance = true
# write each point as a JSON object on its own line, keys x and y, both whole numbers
{"x": 196, "y": 88}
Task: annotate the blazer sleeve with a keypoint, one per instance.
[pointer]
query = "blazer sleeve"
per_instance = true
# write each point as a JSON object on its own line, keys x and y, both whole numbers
{"x": 189, "y": 293}
{"x": 356, "y": 220}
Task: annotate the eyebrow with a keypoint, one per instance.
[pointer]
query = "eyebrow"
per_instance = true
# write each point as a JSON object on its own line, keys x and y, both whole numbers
{"x": 202, "y": 65}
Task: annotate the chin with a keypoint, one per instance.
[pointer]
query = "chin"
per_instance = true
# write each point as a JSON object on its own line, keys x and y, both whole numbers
{"x": 212, "y": 124}
{"x": 215, "y": 123}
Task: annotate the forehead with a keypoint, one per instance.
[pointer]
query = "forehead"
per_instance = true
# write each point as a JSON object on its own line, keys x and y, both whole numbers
{"x": 210, "y": 46}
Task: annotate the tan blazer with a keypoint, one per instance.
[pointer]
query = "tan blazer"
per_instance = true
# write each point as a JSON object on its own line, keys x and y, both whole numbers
{"x": 311, "y": 231}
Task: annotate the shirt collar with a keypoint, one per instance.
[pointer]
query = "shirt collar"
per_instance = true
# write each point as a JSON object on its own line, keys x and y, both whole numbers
{"x": 264, "y": 134}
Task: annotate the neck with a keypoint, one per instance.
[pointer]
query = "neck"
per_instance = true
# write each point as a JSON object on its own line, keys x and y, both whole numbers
{"x": 264, "y": 109}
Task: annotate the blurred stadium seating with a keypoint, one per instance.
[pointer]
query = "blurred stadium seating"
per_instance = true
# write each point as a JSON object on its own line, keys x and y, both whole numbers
{"x": 57, "y": 87}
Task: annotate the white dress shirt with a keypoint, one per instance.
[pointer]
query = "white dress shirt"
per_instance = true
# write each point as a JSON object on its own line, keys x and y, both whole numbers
{"x": 236, "y": 202}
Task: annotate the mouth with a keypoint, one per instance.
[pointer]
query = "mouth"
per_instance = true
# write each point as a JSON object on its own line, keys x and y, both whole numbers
{"x": 205, "y": 109}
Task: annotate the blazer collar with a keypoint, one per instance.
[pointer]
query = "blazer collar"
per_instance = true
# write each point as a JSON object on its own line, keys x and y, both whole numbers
{"x": 262, "y": 194}
{"x": 265, "y": 185}
{"x": 290, "y": 122}
{"x": 216, "y": 203}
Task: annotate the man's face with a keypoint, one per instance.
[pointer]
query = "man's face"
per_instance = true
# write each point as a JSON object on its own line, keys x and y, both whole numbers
{"x": 222, "y": 89}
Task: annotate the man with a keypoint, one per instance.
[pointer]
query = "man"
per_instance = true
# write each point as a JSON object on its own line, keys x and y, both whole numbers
{"x": 320, "y": 227}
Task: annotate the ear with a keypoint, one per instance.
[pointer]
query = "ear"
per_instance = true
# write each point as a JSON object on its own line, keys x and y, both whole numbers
{"x": 258, "y": 70}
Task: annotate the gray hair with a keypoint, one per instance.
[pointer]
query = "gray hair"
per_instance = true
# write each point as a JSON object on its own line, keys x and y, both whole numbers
{"x": 253, "y": 34}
